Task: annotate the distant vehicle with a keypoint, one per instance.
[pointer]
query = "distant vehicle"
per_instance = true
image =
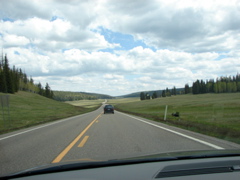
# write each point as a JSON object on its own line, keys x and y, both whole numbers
{"x": 108, "y": 109}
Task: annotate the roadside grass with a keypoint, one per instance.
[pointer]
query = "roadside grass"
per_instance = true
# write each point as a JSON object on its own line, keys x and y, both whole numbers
{"x": 28, "y": 109}
{"x": 211, "y": 114}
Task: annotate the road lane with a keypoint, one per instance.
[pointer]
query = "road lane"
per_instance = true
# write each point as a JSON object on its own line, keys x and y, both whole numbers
{"x": 103, "y": 137}
{"x": 119, "y": 135}
{"x": 68, "y": 148}
{"x": 40, "y": 146}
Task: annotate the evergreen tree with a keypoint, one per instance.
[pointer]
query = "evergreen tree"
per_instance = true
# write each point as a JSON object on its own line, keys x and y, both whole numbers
{"x": 186, "y": 89}
{"x": 148, "y": 96}
{"x": 154, "y": 95}
{"x": 163, "y": 93}
{"x": 142, "y": 96}
{"x": 203, "y": 88}
{"x": 47, "y": 92}
{"x": 15, "y": 76}
{"x": 174, "y": 91}
{"x": 3, "y": 84}
{"x": 8, "y": 76}
{"x": 168, "y": 93}
{"x": 238, "y": 86}
{"x": 40, "y": 89}
{"x": 196, "y": 87}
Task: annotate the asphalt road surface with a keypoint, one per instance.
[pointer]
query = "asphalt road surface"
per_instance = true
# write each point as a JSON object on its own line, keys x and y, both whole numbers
{"x": 94, "y": 137}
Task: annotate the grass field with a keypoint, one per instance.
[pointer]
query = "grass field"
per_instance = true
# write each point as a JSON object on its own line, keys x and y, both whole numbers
{"x": 86, "y": 103}
{"x": 28, "y": 109}
{"x": 212, "y": 114}
{"x": 122, "y": 100}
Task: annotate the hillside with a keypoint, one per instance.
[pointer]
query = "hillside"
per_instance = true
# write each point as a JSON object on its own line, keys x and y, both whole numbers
{"x": 27, "y": 109}
{"x": 75, "y": 96}
{"x": 137, "y": 94}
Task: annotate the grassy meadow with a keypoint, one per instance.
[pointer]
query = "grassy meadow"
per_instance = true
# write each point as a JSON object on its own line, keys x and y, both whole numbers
{"x": 28, "y": 109}
{"x": 212, "y": 114}
{"x": 86, "y": 103}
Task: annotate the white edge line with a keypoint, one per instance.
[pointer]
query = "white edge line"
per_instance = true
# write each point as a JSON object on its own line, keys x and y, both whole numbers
{"x": 175, "y": 132}
{"x": 40, "y": 127}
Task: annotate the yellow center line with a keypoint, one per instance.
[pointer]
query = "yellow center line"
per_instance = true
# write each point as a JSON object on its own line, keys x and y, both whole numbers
{"x": 83, "y": 141}
{"x": 69, "y": 147}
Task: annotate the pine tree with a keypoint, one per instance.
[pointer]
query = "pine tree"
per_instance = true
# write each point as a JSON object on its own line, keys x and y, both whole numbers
{"x": 174, "y": 91}
{"x": 196, "y": 87}
{"x": 8, "y": 76}
{"x": 154, "y": 95}
{"x": 3, "y": 84}
{"x": 186, "y": 89}
{"x": 47, "y": 92}
{"x": 163, "y": 93}
{"x": 142, "y": 96}
{"x": 148, "y": 96}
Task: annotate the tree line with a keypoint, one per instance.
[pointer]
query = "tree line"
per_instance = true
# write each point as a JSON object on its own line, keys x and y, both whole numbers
{"x": 164, "y": 93}
{"x": 13, "y": 80}
{"x": 76, "y": 96}
{"x": 230, "y": 84}
{"x": 227, "y": 84}
{"x": 71, "y": 96}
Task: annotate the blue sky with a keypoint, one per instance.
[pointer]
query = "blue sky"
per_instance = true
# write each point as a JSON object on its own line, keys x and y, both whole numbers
{"x": 126, "y": 41}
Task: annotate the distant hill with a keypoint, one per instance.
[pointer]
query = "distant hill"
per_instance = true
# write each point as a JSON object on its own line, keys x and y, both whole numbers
{"x": 159, "y": 93}
{"x": 74, "y": 96}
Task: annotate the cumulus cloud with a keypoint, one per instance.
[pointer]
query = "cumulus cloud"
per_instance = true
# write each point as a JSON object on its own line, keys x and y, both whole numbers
{"x": 64, "y": 42}
{"x": 177, "y": 24}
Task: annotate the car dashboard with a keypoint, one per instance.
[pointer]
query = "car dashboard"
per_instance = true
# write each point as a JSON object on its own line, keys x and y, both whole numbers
{"x": 200, "y": 168}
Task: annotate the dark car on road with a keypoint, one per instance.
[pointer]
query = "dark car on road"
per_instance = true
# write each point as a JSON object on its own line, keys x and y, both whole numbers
{"x": 108, "y": 109}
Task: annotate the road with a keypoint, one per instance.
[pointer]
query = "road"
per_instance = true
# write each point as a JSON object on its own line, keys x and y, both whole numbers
{"x": 97, "y": 136}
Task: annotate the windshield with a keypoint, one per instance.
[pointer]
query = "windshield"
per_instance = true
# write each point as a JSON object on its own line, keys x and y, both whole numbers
{"x": 169, "y": 68}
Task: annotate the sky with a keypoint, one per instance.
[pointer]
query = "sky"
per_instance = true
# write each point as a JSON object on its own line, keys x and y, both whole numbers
{"x": 117, "y": 47}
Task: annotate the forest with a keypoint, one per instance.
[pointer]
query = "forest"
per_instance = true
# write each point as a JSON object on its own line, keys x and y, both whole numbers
{"x": 14, "y": 79}
{"x": 227, "y": 84}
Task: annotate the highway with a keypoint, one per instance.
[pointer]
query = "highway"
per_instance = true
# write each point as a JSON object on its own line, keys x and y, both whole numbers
{"x": 96, "y": 136}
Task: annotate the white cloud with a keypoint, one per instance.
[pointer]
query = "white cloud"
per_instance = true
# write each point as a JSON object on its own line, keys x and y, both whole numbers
{"x": 12, "y": 40}
{"x": 113, "y": 77}
{"x": 59, "y": 42}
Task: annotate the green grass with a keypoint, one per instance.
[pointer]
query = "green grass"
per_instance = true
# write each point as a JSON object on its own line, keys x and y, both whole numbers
{"x": 28, "y": 109}
{"x": 122, "y": 100}
{"x": 212, "y": 114}
{"x": 86, "y": 103}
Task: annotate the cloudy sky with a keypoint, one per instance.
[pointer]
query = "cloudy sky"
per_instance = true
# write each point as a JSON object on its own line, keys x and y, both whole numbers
{"x": 118, "y": 47}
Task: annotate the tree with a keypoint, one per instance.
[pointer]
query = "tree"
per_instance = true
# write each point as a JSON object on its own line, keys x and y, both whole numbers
{"x": 142, "y": 96}
{"x": 196, "y": 87}
{"x": 238, "y": 86}
{"x": 163, "y": 93}
{"x": 48, "y": 92}
{"x": 174, "y": 91}
{"x": 154, "y": 95}
{"x": 148, "y": 96}
{"x": 15, "y": 76}
{"x": 8, "y": 76}
{"x": 168, "y": 93}
{"x": 40, "y": 89}
{"x": 203, "y": 88}
{"x": 3, "y": 84}
{"x": 186, "y": 89}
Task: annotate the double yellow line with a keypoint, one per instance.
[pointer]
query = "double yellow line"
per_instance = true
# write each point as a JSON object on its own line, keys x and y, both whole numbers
{"x": 69, "y": 147}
